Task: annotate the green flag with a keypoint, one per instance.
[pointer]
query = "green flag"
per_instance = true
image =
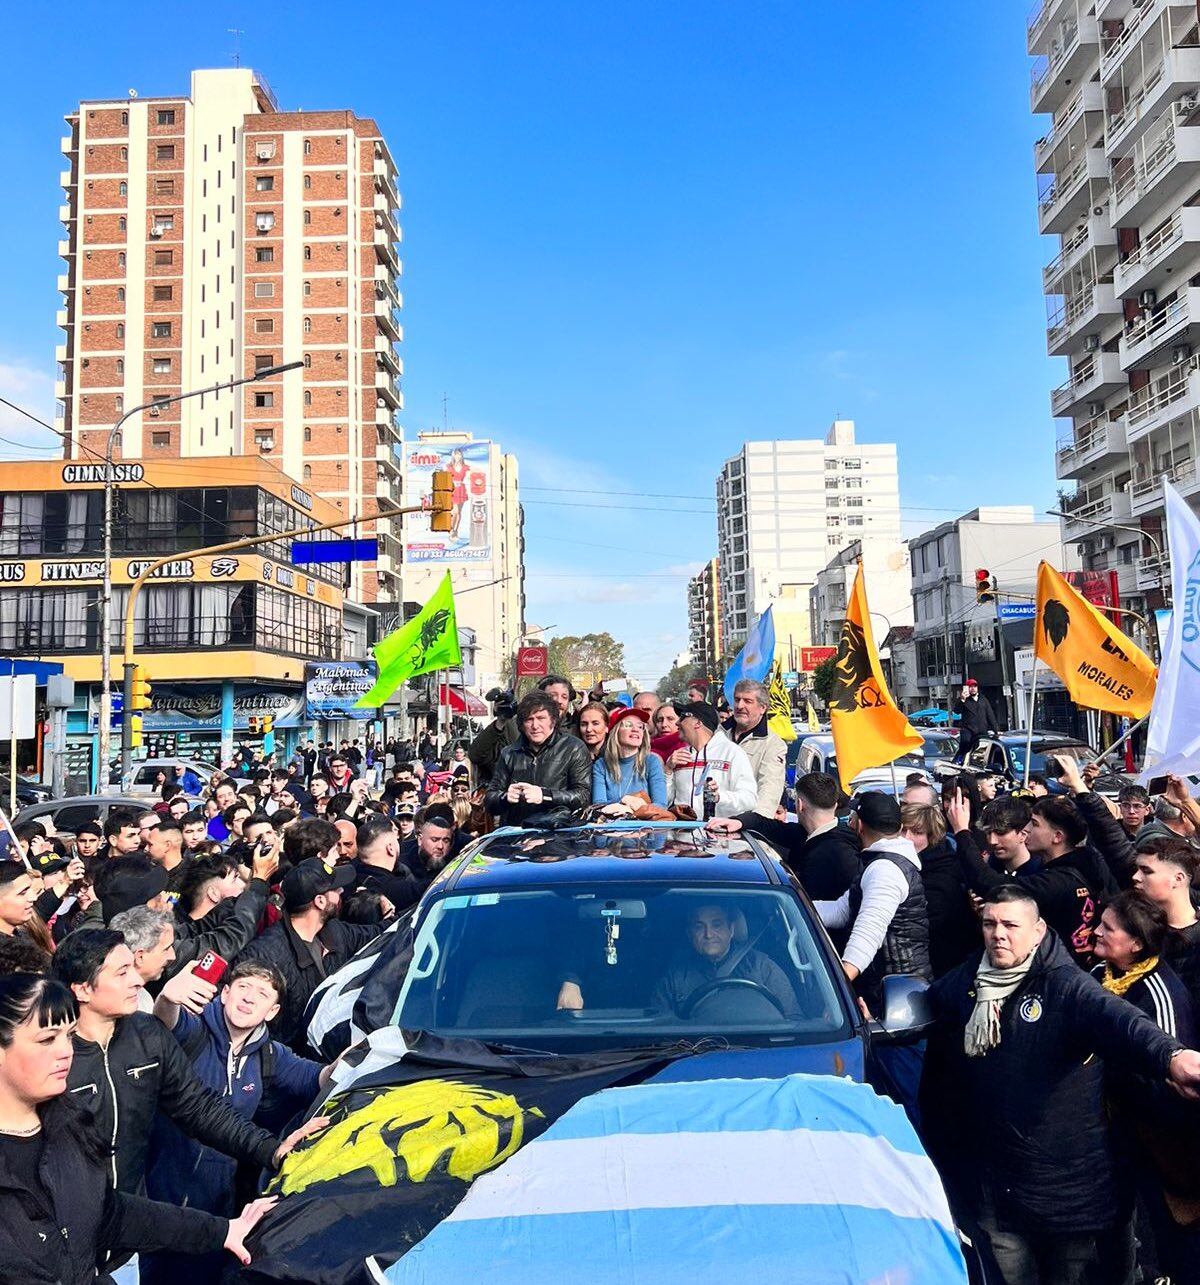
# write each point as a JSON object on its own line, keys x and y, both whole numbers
{"x": 427, "y": 642}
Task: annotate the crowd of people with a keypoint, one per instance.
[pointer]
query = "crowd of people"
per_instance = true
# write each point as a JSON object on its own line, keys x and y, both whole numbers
{"x": 155, "y": 973}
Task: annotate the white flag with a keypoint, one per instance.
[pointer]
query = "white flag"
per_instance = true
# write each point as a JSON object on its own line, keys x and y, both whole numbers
{"x": 1173, "y": 738}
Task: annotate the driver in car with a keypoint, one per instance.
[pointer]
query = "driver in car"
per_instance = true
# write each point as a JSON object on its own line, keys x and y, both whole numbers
{"x": 713, "y": 956}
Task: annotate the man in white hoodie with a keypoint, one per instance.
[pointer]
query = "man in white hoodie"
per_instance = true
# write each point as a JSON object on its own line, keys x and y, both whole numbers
{"x": 709, "y": 756}
{"x": 884, "y": 909}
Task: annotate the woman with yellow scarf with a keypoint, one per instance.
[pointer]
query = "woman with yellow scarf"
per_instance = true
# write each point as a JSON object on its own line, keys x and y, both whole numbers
{"x": 1159, "y": 1131}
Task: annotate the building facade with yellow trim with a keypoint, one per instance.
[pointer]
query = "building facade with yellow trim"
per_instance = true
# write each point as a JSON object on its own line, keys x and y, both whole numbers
{"x": 223, "y": 639}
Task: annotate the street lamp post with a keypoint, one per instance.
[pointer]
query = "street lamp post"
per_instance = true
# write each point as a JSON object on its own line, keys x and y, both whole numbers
{"x": 106, "y": 592}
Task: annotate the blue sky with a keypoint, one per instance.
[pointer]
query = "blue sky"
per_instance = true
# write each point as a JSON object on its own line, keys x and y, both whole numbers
{"x": 635, "y": 236}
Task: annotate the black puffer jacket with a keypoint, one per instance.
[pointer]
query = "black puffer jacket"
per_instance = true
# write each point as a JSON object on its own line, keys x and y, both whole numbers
{"x": 281, "y": 947}
{"x": 1032, "y": 1108}
{"x": 562, "y": 766}
{"x": 826, "y": 863}
{"x": 143, "y": 1071}
{"x": 91, "y": 1217}
{"x": 953, "y": 924}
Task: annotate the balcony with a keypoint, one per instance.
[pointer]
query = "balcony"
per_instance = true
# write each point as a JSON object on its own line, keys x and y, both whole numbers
{"x": 1055, "y": 75}
{"x": 1146, "y": 492}
{"x": 1065, "y": 199}
{"x": 1166, "y": 78}
{"x": 1099, "y": 440}
{"x": 1082, "y": 314}
{"x": 385, "y": 315}
{"x": 1093, "y": 379}
{"x": 386, "y": 458}
{"x": 1148, "y": 572}
{"x": 385, "y": 356}
{"x": 1148, "y": 265}
{"x": 385, "y": 248}
{"x": 1135, "y": 24}
{"x": 1162, "y": 164}
{"x": 1171, "y": 394}
{"x": 387, "y": 489}
{"x": 1085, "y": 519}
{"x": 1089, "y": 99}
{"x": 1172, "y": 325}
{"x": 1096, "y": 234}
{"x": 385, "y": 387}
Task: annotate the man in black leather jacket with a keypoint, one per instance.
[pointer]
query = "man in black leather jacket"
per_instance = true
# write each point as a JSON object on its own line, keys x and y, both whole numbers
{"x": 128, "y": 1066}
{"x": 545, "y": 768}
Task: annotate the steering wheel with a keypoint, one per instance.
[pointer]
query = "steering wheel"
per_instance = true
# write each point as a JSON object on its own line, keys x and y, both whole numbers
{"x": 710, "y": 988}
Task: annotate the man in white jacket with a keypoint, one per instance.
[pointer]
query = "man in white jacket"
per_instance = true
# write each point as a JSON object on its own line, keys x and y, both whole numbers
{"x": 710, "y": 755}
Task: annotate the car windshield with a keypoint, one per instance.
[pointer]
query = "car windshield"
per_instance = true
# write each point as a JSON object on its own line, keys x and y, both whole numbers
{"x": 643, "y": 963}
{"x": 1037, "y": 763}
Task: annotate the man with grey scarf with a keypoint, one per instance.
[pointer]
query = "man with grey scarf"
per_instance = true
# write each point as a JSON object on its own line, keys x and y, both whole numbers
{"x": 1013, "y": 1097}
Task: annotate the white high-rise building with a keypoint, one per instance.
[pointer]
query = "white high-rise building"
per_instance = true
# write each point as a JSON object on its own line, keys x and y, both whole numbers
{"x": 784, "y": 508}
{"x": 1119, "y": 177}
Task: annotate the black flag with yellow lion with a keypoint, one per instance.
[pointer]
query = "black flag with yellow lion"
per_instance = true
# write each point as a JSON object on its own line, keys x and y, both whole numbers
{"x": 413, "y": 1122}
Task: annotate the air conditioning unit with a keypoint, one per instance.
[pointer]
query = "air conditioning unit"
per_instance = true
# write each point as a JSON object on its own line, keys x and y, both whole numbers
{"x": 265, "y": 443}
{"x": 1094, "y": 409}
{"x": 1148, "y": 298}
{"x": 1091, "y": 343}
{"x": 154, "y": 412}
{"x": 155, "y": 233}
{"x": 1179, "y": 354}
{"x": 1085, "y": 548}
{"x": 1188, "y": 104}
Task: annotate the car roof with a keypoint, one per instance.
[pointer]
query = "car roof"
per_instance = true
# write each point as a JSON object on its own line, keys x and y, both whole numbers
{"x": 1041, "y": 739}
{"x": 664, "y": 852}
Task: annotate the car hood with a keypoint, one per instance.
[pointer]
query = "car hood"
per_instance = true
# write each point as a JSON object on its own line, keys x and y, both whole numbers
{"x": 700, "y": 1183}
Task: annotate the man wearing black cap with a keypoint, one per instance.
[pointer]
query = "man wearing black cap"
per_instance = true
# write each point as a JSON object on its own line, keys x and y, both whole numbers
{"x": 884, "y": 909}
{"x": 711, "y": 756}
{"x": 309, "y": 942}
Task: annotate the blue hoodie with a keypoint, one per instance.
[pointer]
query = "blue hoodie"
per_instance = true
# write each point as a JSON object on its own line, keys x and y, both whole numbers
{"x": 186, "y": 1172}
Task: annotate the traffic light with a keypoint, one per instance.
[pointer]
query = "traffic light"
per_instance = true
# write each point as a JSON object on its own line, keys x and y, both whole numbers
{"x": 268, "y": 724}
{"x": 439, "y": 504}
{"x": 140, "y": 698}
{"x": 253, "y": 721}
{"x": 985, "y": 586}
{"x": 268, "y": 731}
{"x": 135, "y": 730}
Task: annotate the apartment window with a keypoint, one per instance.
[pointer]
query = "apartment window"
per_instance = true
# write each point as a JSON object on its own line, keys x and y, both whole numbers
{"x": 264, "y": 325}
{"x": 164, "y": 152}
{"x": 124, "y": 153}
{"x": 307, "y": 217}
{"x": 164, "y": 187}
{"x": 262, "y": 360}
{"x": 118, "y": 403}
{"x": 264, "y": 254}
{"x": 124, "y": 117}
{"x": 162, "y": 365}
{"x": 160, "y": 330}
{"x": 308, "y": 398}
{"x": 308, "y": 434}
{"x": 308, "y": 472}
{"x": 120, "y": 294}
{"x": 307, "y": 253}
{"x": 122, "y": 189}
{"x": 163, "y": 258}
{"x": 122, "y": 223}
{"x": 308, "y": 361}
{"x": 264, "y": 221}
{"x": 163, "y": 293}
{"x": 264, "y": 183}
{"x": 308, "y": 147}
{"x": 264, "y": 401}
{"x": 307, "y": 289}
{"x": 160, "y": 439}
{"x": 121, "y": 259}
{"x": 120, "y": 330}
{"x": 308, "y": 325}
{"x": 264, "y": 289}
{"x": 120, "y": 365}
{"x": 166, "y": 116}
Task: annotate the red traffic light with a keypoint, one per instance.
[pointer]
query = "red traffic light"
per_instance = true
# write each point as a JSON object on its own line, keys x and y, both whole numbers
{"x": 984, "y": 585}
{"x": 982, "y": 576}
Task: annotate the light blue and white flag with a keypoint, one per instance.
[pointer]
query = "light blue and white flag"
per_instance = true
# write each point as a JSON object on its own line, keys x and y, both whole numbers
{"x": 1173, "y": 737}
{"x": 801, "y": 1179}
{"x": 756, "y": 657}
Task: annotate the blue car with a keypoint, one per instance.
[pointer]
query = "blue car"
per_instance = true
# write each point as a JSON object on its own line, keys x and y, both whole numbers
{"x": 680, "y": 990}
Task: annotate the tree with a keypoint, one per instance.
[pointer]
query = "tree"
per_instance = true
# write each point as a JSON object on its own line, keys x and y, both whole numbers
{"x": 823, "y": 680}
{"x": 599, "y": 655}
{"x": 676, "y": 681}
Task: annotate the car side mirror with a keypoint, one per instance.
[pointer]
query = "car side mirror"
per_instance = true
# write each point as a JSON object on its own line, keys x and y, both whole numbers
{"x": 907, "y": 1014}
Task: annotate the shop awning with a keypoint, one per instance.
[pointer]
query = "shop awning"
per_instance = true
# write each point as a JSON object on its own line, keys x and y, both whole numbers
{"x": 462, "y": 702}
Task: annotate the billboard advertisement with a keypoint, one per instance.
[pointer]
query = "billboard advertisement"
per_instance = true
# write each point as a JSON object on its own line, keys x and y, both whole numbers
{"x": 811, "y": 657}
{"x": 470, "y": 536}
{"x": 332, "y": 687}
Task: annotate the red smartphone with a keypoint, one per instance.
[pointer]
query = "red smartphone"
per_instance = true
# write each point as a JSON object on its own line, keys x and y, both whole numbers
{"x": 211, "y": 967}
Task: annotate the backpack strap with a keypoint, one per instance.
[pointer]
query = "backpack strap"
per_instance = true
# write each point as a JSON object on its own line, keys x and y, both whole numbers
{"x": 266, "y": 1056}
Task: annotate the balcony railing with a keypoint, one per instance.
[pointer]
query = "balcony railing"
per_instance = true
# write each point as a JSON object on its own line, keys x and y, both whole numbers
{"x": 1063, "y": 48}
{"x": 1152, "y": 400}
{"x": 1063, "y": 120}
{"x": 1070, "y": 248}
{"x": 1070, "y": 310}
{"x": 1085, "y": 438}
{"x": 1143, "y": 488}
{"x": 1112, "y": 48}
{"x": 1065, "y": 183}
{"x": 1135, "y": 99}
{"x": 1154, "y": 247}
{"x": 1133, "y": 175}
{"x": 1082, "y": 374}
{"x": 1159, "y": 322}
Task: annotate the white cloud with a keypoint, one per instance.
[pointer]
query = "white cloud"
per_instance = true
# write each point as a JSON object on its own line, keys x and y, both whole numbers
{"x": 32, "y": 389}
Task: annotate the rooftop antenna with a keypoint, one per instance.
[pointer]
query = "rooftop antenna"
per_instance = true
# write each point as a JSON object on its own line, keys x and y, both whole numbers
{"x": 445, "y": 412}
{"x": 237, "y": 33}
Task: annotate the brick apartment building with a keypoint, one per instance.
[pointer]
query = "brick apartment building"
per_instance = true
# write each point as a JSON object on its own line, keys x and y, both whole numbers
{"x": 212, "y": 235}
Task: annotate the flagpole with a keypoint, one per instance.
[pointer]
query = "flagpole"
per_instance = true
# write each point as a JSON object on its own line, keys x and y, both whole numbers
{"x": 1029, "y": 729}
{"x": 1116, "y": 745}
{"x": 895, "y": 787}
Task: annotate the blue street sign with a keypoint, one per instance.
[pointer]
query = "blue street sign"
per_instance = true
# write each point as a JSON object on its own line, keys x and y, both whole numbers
{"x": 1010, "y": 611}
{"x": 309, "y": 551}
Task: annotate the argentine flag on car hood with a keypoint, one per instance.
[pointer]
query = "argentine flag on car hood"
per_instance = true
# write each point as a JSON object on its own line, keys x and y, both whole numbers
{"x": 802, "y": 1179}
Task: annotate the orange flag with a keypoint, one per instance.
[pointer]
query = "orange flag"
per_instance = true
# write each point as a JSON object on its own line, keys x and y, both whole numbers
{"x": 1099, "y": 666}
{"x": 868, "y": 729}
